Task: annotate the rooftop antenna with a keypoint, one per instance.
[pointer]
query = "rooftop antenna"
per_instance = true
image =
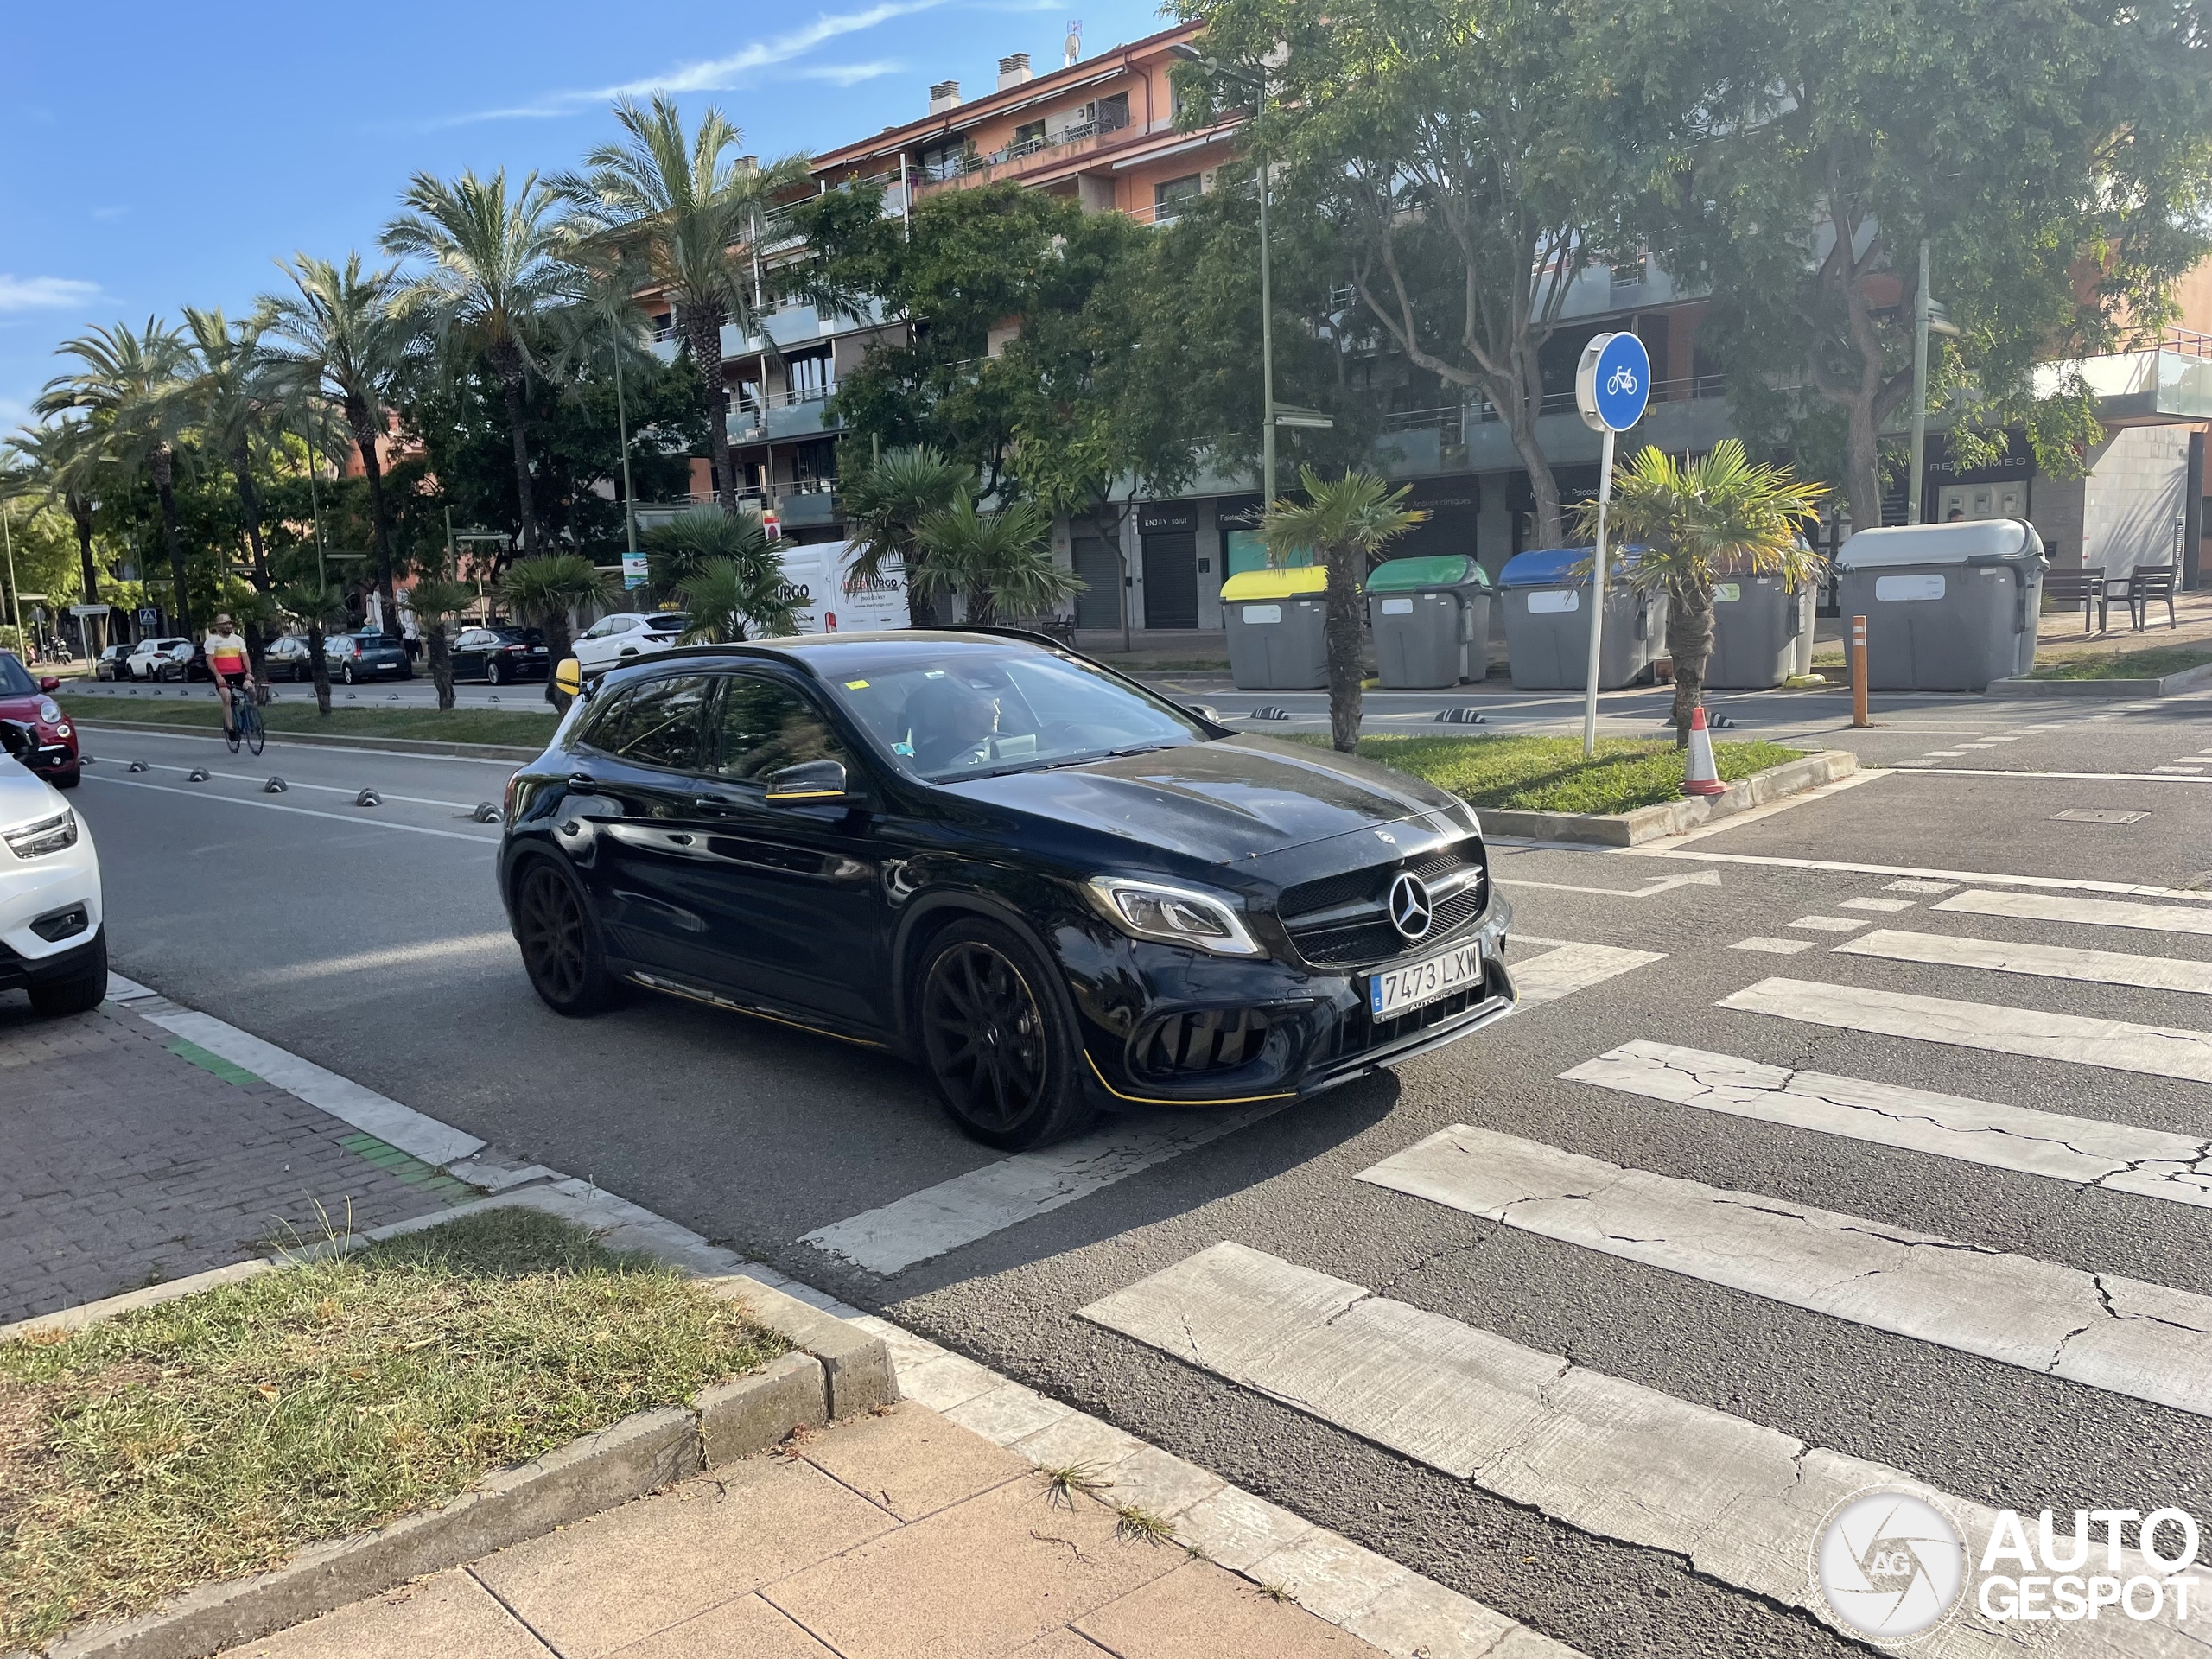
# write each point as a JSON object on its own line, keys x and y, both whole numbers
{"x": 1073, "y": 46}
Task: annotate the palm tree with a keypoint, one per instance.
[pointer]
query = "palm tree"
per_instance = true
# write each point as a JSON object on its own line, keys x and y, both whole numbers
{"x": 1700, "y": 522}
{"x": 994, "y": 559}
{"x": 727, "y": 597}
{"x": 496, "y": 268}
{"x": 234, "y": 401}
{"x": 318, "y": 608}
{"x": 130, "y": 384}
{"x": 678, "y": 549}
{"x": 435, "y": 602}
{"x": 338, "y": 339}
{"x": 1349, "y": 521}
{"x": 688, "y": 208}
{"x": 885, "y": 502}
{"x": 69, "y": 463}
{"x": 547, "y": 589}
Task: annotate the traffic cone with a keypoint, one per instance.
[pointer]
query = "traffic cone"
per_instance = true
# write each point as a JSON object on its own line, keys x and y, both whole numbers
{"x": 1704, "y": 777}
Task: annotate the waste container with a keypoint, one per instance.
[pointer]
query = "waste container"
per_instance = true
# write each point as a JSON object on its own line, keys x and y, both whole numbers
{"x": 1949, "y": 607}
{"x": 1760, "y": 627}
{"x": 1276, "y": 641}
{"x": 1431, "y": 620}
{"x": 1548, "y": 630}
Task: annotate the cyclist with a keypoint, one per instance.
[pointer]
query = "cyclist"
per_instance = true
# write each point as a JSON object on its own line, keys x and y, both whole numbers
{"x": 229, "y": 666}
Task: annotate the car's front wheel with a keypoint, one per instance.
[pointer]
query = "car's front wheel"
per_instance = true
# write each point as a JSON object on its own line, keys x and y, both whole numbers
{"x": 496, "y": 673}
{"x": 999, "y": 1035}
{"x": 561, "y": 947}
{"x": 81, "y": 992}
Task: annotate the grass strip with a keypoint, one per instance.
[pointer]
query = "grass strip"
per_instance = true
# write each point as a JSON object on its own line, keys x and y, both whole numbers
{"x": 2154, "y": 664}
{"x": 215, "y": 1435}
{"x": 526, "y": 728}
{"x": 1550, "y": 774}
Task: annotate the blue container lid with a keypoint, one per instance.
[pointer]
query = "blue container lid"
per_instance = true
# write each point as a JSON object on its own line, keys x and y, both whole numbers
{"x": 1555, "y": 566}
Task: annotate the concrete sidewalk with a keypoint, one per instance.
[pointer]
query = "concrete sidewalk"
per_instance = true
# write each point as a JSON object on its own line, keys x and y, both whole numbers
{"x": 899, "y": 1535}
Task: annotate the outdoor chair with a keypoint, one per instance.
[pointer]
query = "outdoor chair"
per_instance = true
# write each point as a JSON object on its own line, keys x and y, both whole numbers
{"x": 2064, "y": 589}
{"x": 2149, "y": 585}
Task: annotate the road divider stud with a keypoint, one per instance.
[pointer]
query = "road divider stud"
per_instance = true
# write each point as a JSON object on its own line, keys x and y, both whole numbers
{"x": 275, "y": 786}
{"x": 486, "y": 812}
{"x": 1460, "y": 715}
{"x": 198, "y": 775}
{"x": 368, "y": 797}
{"x": 1270, "y": 711}
{"x": 138, "y": 766}
{"x": 1703, "y": 777}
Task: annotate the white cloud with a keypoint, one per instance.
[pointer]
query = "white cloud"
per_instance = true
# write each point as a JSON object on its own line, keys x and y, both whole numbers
{"x": 43, "y": 293}
{"x": 845, "y": 74}
{"x": 718, "y": 74}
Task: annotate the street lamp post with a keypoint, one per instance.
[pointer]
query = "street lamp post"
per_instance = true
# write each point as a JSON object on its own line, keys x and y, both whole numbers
{"x": 622, "y": 427}
{"x": 1927, "y": 318}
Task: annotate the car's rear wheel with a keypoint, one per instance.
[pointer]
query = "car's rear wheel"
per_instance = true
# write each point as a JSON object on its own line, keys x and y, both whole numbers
{"x": 999, "y": 1035}
{"x": 560, "y": 941}
{"x": 80, "y": 992}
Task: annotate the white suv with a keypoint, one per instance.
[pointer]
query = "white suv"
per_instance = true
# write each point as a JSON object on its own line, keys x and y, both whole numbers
{"x": 626, "y": 634}
{"x": 53, "y": 932}
{"x": 160, "y": 659}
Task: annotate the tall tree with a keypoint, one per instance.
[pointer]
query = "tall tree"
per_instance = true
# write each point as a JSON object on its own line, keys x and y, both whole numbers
{"x": 68, "y": 459}
{"x": 2055, "y": 154}
{"x": 131, "y": 383}
{"x": 495, "y": 272}
{"x": 693, "y": 212}
{"x": 235, "y": 406}
{"x": 885, "y": 502}
{"x": 338, "y": 337}
{"x": 995, "y": 559}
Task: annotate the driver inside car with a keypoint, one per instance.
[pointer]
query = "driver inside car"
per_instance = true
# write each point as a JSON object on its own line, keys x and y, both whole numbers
{"x": 950, "y": 723}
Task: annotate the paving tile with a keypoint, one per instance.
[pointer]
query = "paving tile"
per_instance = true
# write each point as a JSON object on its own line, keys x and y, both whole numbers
{"x": 1005, "y": 1413}
{"x": 1236, "y": 1529}
{"x": 1165, "y": 1618}
{"x": 619, "y": 1577}
{"x": 1061, "y": 1644}
{"x": 1417, "y": 1616}
{"x": 450, "y": 1613}
{"x": 1078, "y": 1441}
{"x": 748, "y": 1627}
{"x": 1331, "y": 1575}
{"x": 976, "y": 1581}
{"x": 1160, "y": 1483}
{"x": 911, "y": 1460}
{"x": 947, "y": 1381}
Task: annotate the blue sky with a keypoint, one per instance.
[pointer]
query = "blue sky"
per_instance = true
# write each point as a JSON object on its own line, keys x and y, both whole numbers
{"x": 151, "y": 157}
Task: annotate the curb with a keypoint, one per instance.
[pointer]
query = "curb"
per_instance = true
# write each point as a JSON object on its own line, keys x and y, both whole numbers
{"x": 2188, "y": 679}
{"x": 338, "y": 740}
{"x": 1673, "y": 817}
{"x": 835, "y": 1370}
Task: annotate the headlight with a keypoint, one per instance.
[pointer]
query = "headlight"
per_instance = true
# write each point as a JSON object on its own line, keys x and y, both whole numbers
{"x": 46, "y": 835}
{"x": 1186, "y": 916}
{"x": 49, "y": 710}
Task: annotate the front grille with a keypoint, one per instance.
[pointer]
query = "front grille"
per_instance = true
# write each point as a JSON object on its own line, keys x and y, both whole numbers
{"x": 1199, "y": 1044}
{"x": 1340, "y": 921}
{"x": 1361, "y": 1031}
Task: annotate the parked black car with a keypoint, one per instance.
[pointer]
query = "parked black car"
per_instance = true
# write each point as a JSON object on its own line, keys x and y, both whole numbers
{"x": 368, "y": 655}
{"x": 499, "y": 653}
{"x": 1052, "y": 887}
{"x": 108, "y": 665}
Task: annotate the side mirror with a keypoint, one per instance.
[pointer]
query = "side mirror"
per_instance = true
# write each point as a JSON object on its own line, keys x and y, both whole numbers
{"x": 568, "y": 678}
{"x": 48, "y": 683}
{"x": 810, "y": 780}
{"x": 15, "y": 739}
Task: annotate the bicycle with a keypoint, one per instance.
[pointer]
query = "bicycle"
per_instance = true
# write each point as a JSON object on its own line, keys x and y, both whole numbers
{"x": 245, "y": 723}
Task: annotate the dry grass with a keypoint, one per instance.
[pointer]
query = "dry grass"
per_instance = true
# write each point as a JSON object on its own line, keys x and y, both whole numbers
{"x": 215, "y": 1435}
{"x": 1549, "y": 774}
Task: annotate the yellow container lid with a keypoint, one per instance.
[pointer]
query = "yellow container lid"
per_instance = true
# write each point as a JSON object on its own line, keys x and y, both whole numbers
{"x": 1275, "y": 584}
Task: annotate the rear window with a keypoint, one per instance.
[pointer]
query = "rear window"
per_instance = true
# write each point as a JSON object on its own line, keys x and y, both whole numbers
{"x": 14, "y": 679}
{"x": 520, "y": 636}
{"x": 672, "y": 623}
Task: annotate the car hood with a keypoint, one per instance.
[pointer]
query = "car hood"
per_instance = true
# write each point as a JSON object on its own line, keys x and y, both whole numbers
{"x": 1240, "y": 798}
{"x": 24, "y": 797}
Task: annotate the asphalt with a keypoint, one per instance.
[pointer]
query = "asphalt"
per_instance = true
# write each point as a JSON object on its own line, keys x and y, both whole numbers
{"x": 352, "y": 936}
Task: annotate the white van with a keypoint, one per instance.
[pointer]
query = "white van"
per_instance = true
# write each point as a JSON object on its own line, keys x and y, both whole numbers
{"x": 820, "y": 570}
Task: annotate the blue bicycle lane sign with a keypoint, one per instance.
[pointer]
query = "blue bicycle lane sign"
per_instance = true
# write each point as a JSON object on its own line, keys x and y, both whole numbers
{"x": 1613, "y": 385}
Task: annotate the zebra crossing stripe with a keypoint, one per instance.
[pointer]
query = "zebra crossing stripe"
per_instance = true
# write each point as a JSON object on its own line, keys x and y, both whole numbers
{"x": 2045, "y": 961}
{"x": 2120, "y": 1157}
{"x": 2154, "y": 1051}
{"x": 1740, "y": 1501}
{"x": 1570, "y": 968}
{"x": 2096, "y": 913}
{"x": 2120, "y": 1335}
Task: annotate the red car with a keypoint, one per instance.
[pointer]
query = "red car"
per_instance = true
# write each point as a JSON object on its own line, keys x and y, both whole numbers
{"x": 25, "y": 701}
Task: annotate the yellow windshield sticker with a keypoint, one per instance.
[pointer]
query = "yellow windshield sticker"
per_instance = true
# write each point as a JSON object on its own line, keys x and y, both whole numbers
{"x": 855, "y": 685}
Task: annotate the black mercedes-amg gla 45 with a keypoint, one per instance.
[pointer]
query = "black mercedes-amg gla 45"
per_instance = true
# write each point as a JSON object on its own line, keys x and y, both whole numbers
{"x": 1051, "y": 886}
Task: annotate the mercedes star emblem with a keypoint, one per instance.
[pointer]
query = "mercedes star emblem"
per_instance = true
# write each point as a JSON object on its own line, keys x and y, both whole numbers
{"x": 1411, "y": 908}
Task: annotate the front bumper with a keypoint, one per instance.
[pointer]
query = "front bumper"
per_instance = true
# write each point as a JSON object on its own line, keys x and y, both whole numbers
{"x": 35, "y": 890}
{"x": 1166, "y": 1026}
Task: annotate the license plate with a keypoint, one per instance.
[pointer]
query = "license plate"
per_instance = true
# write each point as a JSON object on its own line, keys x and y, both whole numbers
{"x": 1402, "y": 989}
{"x": 538, "y": 650}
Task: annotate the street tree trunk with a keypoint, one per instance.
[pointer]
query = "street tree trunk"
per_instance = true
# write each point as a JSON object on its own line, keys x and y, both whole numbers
{"x": 164, "y": 467}
{"x": 1341, "y": 629}
{"x": 559, "y": 643}
{"x": 507, "y": 361}
{"x": 81, "y": 514}
{"x": 921, "y": 607}
{"x": 319, "y": 669}
{"x": 1689, "y": 643}
{"x": 364, "y": 437}
{"x": 257, "y": 638}
{"x": 441, "y": 662}
{"x": 702, "y": 333}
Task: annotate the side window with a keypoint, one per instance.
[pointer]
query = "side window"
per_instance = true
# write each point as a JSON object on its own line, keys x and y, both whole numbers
{"x": 659, "y": 723}
{"x": 766, "y": 727}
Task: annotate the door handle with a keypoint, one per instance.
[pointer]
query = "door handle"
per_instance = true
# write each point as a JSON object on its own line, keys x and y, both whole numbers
{"x": 710, "y": 806}
{"x": 583, "y": 780}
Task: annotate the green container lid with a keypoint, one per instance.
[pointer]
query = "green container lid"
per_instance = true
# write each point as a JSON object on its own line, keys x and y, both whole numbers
{"x": 1435, "y": 570}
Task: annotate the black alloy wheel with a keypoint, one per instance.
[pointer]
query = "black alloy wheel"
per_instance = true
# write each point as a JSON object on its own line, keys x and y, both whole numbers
{"x": 560, "y": 941}
{"x": 999, "y": 1038}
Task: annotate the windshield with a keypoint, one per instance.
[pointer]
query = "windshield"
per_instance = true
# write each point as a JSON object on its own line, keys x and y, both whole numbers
{"x": 976, "y": 714}
{"x": 14, "y": 679}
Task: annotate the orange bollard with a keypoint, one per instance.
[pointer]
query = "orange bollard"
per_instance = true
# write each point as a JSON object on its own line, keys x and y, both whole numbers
{"x": 1859, "y": 672}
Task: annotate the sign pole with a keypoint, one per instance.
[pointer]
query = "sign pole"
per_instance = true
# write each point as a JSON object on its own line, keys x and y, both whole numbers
{"x": 1598, "y": 597}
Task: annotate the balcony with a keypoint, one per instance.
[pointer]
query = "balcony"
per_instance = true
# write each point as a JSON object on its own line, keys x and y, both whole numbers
{"x": 1685, "y": 414}
{"x": 809, "y": 504}
{"x": 779, "y": 415}
{"x": 2170, "y": 384}
{"x": 1032, "y": 156}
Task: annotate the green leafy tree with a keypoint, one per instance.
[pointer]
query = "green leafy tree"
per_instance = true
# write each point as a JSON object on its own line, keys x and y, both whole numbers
{"x": 436, "y": 601}
{"x": 236, "y": 408}
{"x": 677, "y": 549}
{"x": 885, "y": 502}
{"x": 69, "y": 463}
{"x": 548, "y": 589}
{"x": 1349, "y": 521}
{"x": 496, "y": 271}
{"x": 1701, "y": 521}
{"x": 690, "y": 211}
{"x": 996, "y": 561}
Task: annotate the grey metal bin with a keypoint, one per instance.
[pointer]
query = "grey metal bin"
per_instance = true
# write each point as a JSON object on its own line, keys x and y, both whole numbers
{"x": 1548, "y": 630}
{"x": 1949, "y": 607}
{"x": 1761, "y": 632}
{"x": 1274, "y": 620}
{"x": 1430, "y": 617}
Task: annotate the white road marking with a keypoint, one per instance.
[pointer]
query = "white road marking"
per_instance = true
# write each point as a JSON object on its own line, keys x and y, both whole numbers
{"x": 1945, "y": 755}
{"x": 1665, "y": 883}
{"x": 922, "y": 1226}
{"x": 1828, "y": 924}
{"x": 1773, "y": 947}
{"x": 2059, "y": 777}
{"x": 2044, "y": 961}
{"x": 2048, "y": 883}
{"x": 1884, "y": 906}
{"x": 2096, "y": 913}
{"x": 1740, "y": 1501}
{"x": 1921, "y": 887}
{"x": 327, "y": 789}
{"x": 362, "y": 820}
{"x": 2122, "y": 1335}
{"x": 1554, "y": 974}
{"x": 404, "y": 956}
{"x": 2085, "y": 1151}
{"x": 2188, "y": 772}
{"x": 2154, "y": 1051}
